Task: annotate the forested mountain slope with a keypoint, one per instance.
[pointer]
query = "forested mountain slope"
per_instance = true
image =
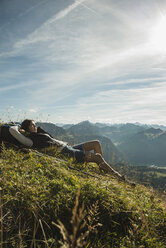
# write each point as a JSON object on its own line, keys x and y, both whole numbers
{"x": 147, "y": 147}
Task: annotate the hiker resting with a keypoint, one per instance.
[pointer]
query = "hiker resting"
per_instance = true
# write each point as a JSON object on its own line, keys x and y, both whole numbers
{"x": 35, "y": 137}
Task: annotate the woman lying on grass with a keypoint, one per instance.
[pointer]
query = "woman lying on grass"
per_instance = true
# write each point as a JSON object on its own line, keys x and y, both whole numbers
{"x": 38, "y": 138}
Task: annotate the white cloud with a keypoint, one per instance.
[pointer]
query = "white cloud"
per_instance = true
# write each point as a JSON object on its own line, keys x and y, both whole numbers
{"x": 33, "y": 110}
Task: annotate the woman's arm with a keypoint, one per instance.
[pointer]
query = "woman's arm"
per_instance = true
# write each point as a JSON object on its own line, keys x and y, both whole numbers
{"x": 20, "y": 137}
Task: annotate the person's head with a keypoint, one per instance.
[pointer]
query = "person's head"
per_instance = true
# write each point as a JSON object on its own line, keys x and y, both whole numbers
{"x": 29, "y": 126}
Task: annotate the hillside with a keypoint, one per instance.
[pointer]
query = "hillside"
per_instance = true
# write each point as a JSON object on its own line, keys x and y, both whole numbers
{"x": 39, "y": 190}
{"x": 146, "y": 147}
{"x": 52, "y": 129}
{"x": 85, "y": 128}
{"x": 85, "y": 131}
{"x": 153, "y": 176}
{"x": 119, "y": 133}
{"x": 57, "y": 132}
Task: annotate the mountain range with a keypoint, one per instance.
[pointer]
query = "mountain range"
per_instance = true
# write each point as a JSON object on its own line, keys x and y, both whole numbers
{"x": 135, "y": 144}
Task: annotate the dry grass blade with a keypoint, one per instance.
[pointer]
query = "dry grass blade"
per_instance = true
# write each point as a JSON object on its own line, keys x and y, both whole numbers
{"x": 43, "y": 233}
{"x": 35, "y": 227}
{"x": 82, "y": 225}
{"x": 65, "y": 235}
{"x": 77, "y": 221}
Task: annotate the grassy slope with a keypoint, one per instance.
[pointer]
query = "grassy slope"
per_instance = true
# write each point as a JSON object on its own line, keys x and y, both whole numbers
{"x": 37, "y": 191}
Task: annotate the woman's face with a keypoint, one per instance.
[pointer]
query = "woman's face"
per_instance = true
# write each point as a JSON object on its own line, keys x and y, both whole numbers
{"x": 32, "y": 127}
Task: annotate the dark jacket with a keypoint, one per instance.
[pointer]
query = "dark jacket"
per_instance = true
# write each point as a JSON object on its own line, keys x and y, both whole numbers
{"x": 41, "y": 139}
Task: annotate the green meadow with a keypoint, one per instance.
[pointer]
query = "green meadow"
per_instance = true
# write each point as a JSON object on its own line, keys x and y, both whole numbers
{"x": 50, "y": 201}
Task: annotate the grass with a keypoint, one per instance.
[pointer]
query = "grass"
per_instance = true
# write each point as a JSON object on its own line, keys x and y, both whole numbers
{"x": 46, "y": 204}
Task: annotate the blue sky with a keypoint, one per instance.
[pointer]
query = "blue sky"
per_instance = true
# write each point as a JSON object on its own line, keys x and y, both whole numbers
{"x": 65, "y": 61}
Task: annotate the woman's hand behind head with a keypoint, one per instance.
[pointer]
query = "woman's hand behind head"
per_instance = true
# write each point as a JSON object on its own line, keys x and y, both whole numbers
{"x": 25, "y": 133}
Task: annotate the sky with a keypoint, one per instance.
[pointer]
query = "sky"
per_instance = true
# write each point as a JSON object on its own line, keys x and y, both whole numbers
{"x": 66, "y": 61}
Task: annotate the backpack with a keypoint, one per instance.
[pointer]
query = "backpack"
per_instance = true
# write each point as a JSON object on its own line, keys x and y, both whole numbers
{"x": 6, "y": 136}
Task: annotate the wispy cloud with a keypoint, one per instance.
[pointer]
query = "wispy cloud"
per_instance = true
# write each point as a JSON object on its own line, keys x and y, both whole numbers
{"x": 64, "y": 12}
{"x": 38, "y": 35}
{"x": 90, "y": 9}
{"x": 16, "y": 86}
{"x": 25, "y": 12}
{"x": 32, "y": 8}
{"x": 41, "y": 34}
{"x": 91, "y": 59}
{"x": 130, "y": 104}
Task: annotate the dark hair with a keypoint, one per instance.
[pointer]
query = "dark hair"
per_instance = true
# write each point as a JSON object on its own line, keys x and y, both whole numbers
{"x": 25, "y": 124}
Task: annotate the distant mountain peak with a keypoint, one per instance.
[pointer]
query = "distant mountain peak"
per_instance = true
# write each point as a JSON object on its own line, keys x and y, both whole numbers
{"x": 153, "y": 130}
{"x": 85, "y": 123}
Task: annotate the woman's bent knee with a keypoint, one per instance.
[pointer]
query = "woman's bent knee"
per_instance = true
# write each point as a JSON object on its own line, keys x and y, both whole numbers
{"x": 96, "y": 142}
